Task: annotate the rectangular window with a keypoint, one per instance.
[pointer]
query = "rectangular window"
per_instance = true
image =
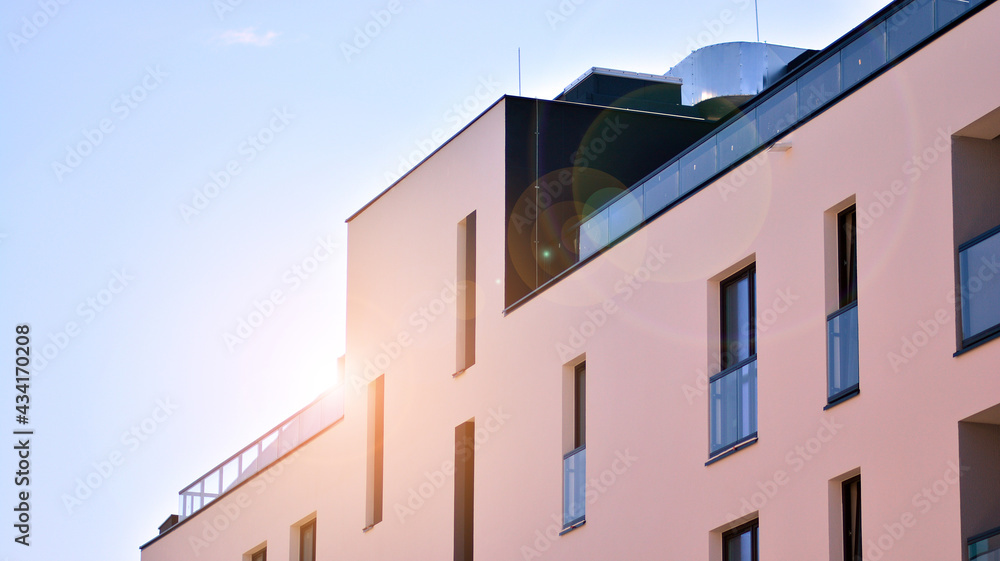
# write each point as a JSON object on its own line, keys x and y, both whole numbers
{"x": 843, "y": 374}
{"x": 466, "y": 355}
{"x": 734, "y": 389}
{"x": 852, "y": 519}
{"x": 376, "y": 431}
{"x": 259, "y": 556}
{"x": 741, "y": 544}
{"x": 575, "y": 461}
{"x": 307, "y": 541}
{"x": 465, "y": 463}
{"x": 979, "y": 272}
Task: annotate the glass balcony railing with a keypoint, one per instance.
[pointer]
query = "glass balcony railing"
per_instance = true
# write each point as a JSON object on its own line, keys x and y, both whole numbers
{"x": 888, "y": 37}
{"x": 574, "y": 486}
{"x": 978, "y": 262}
{"x": 266, "y": 450}
{"x": 842, "y": 352}
{"x": 733, "y": 405}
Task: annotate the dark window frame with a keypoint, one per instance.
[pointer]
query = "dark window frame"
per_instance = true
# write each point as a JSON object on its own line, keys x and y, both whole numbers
{"x": 580, "y": 406}
{"x": 853, "y": 544}
{"x": 988, "y": 334}
{"x": 727, "y": 359}
{"x": 847, "y": 256}
{"x": 754, "y": 527}
{"x": 302, "y": 540}
{"x": 259, "y": 555}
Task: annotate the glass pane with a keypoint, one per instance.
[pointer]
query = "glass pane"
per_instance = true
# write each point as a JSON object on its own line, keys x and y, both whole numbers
{"x": 660, "y": 191}
{"x": 842, "y": 349}
{"x": 698, "y": 165}
{"x": 818, "y": 86}
{"x": 725, "y": 411}
{"x": 748, "y": 400}
{"x": 625, "y": 214}
{"x": 574, "y": 487}
{"x": 736, "y": 330}
{"x": 863, "y": 56}
{"x": 979, "y": 266}
{"x": 739, "y": 547}
{"x": 230, "y": 473}
{"x": 594, "y": 234}
{"x": 775, "y": 115}
{"x": 737, "y": 139}
{"x": 910, "y": 25}
{"x": 948, "y": 10}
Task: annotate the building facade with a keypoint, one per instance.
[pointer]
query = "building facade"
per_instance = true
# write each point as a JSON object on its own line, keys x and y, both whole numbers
{"x": 586, "y": 330}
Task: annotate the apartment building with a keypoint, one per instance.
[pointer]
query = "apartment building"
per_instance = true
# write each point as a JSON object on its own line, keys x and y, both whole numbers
{"x": 681, "y": 316}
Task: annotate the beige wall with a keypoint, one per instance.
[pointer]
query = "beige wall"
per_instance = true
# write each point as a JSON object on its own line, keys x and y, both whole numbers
{"x": 648, "y": 359}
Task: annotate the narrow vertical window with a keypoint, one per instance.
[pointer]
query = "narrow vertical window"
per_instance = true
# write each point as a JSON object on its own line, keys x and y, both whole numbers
{"x": 852, "y": 519}
{"x": 741, "y": 544}
{"x": 307, "y": 541}
{"x": 466, "y": 284}
{"x": 465, "y": 462}
{"x": 259, "y": 556}
{"x": 734, "y": 389}
{"x": 376, "y": 430}
{"x": 575, "y": 460}
{"x": 843, "y": 374}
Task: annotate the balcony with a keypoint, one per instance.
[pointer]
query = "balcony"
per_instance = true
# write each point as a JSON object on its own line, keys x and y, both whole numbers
{"x": 263, "y": 452}
{"x": 574, "y": 487}
{"x": 733, "y": 406}
{"x": 886, "y": 38}
{"x": 842, "y": 353}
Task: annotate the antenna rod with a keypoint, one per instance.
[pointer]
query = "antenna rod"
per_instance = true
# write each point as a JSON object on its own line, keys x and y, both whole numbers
{"x": 519, "y": 69}
{"x": 756, "y": 16}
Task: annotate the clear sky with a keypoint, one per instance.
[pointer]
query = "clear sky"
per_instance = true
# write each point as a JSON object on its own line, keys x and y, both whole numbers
{"x": 166, "y": 167}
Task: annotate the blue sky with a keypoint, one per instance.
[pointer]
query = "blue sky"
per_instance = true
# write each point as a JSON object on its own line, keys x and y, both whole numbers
{"x": 166, "y": 169}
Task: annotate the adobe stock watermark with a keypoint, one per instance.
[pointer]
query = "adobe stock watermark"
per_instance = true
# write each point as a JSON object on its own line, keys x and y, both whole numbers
{"x": 293, "y": 277}
{"x": 131, "y": 440}
{"x": 213, "y": 527}
{"x": 923, "y": 501}
{"x": 562, "y": 12}
{"x": 595, "y": 488}
{"x": 250, "y": 148}
{"x": 782, "y": 301}
{"x": 927, "y": 329}
{"x": 455, "y": 116}
{"x": 224, "y": 7}
{"x": 367, "y": 32}
{"x": 796, "y": 459}
{"x": 122, "y": 107}
{"x": 597, "y": 316}
{"x": 420, "y": 320}
{"x": 32, "y": 25}
{"x": 714, "y": 28}
{"x": 433, "y": 481}
{"x": 87, "y": 310}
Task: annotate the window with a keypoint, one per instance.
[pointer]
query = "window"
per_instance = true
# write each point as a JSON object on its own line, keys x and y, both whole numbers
{"x": 852, "y": 519}
{"x": 979, "y": 271}
{"x": 575, "y": 461}
{"x": 842, "y": 325}
{"x": 985, "y": 547}
{"x": 307, "y": 541}
{"x": 376, "y": 430}
{"x": 465, "y": 463}
{"x": 466, "y": 347}
{"x": 259, "y": 556}
{"x": 741, "y": 544}
{"x": 734, "y": 389}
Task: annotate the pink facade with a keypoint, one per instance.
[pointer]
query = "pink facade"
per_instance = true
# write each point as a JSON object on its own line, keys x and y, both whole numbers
{"x": 644, "y": 315}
